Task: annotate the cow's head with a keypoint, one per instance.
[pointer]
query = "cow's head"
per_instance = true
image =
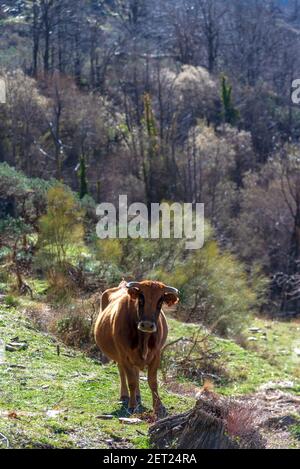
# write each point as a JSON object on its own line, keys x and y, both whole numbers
{"x": 149, "y": 297}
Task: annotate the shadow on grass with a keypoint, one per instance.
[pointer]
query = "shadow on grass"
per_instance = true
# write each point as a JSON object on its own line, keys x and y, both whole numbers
{"x": 123, "y": 410}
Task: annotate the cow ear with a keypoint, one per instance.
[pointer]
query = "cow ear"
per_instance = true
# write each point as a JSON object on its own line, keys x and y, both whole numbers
{"x": 133, "y": 292}
{"x": 171, "y": 299}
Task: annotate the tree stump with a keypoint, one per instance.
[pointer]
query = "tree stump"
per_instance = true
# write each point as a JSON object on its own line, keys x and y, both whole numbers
{"x": 209, "y": 425}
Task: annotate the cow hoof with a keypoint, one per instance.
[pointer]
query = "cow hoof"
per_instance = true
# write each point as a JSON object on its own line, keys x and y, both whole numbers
{"x": 135, "y": 410}
{"x": 161, "y": 412}
{"x": 124, "y": 400}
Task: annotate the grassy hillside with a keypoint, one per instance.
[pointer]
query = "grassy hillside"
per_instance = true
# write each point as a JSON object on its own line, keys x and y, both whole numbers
{"x": 48, "y": 400}
{"x": 271, "y": 357}
{"x": 51, "y": 400}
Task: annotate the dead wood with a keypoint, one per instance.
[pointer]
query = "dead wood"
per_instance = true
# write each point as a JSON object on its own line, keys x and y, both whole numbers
{"x": 209, "y": 425}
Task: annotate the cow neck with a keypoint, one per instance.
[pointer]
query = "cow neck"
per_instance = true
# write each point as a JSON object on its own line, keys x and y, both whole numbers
{"x": 140, "y": 339}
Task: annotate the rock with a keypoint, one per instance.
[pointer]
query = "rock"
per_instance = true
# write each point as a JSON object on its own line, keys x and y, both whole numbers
{"x": 12, "y": 366}
{"x": 252, "y": 339}
{"x": 274, "y": 385}
{"x": 54, "y": 413}
{"x": 104, "y": 417}
{"x": 281, "y": 422}
{"x": 255, "y": 330}
{"x": 130, "y": 421}
{"x": 16, "y": 346}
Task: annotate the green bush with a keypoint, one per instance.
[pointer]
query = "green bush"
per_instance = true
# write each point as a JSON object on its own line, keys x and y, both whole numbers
{"x": 61, "y": 228}
{"x": 215, "y": 289}
{"x": 20, "y": 195}
{"x": 11, "y": 301}
{"x": 74, "y": 330}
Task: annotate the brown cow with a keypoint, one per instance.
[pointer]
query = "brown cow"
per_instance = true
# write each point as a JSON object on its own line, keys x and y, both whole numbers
{"x": 131, "y": 329}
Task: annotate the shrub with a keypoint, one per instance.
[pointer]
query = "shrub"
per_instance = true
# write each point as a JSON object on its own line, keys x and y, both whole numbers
{"x": 61, "y": 227}
{"x": 215, "y": 289}
{"x": 60, "y": 241}
{"x": 61, "y": 287}
{"x": 109, "y": 251}
{"x": 74, "y": 324}
{"x": 241, "y": 424}
{"x": 195, "y": 359}
{"x": 21, "y": 196}
{"x": 11, "y": 301}
{"x": 74, "y": 330}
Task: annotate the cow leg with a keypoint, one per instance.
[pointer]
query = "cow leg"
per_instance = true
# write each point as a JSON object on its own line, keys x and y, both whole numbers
{"x": 158, "y": 407}
{"x": 138, "y": 392}
{"x": 133, "y": 386}
{"x": 123, "y": 387}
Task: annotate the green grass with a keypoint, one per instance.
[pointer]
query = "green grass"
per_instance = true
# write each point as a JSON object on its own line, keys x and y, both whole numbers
{"x": 72, "y": 384}
{"x": 247, "y": 369}
{"x": 278, "y": 342}
{"x": 38, "y": 286}
{"x": 78, "y": 389}
{"x": 11, "y": 301}
{"x": 296, "y": 431}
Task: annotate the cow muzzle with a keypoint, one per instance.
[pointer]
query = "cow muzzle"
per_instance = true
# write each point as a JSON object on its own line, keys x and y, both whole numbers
{"x": 147, "y": 326}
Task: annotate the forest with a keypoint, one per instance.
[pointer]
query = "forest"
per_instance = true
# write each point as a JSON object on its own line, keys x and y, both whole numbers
{"x": 168, "y": 101}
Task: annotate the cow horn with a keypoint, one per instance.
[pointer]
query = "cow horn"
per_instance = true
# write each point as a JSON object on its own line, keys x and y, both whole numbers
{"x": 132, "y": 285}
{"x": 172, "y": 290}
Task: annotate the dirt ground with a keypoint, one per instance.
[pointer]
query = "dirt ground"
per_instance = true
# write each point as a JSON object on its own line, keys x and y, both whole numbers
{"x": 276, "y": 411}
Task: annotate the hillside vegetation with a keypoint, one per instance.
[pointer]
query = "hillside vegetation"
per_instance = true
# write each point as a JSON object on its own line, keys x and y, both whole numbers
{"x": 50, "y": 400}
{"x": 168, "y": 102}
{"x": 164, "y": 101}
{"x": 54, "y": 401}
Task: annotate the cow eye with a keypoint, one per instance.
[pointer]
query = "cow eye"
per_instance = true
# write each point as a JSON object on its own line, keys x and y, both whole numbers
{"x": 141, "y": 299}
{"x": 159, "y": 304}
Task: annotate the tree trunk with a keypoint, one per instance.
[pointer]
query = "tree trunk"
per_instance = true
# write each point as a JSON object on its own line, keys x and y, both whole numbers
{"x": 35, "y": 37}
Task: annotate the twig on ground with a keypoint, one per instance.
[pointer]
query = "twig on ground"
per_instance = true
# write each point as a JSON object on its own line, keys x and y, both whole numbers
{"x": 5, "y": 439}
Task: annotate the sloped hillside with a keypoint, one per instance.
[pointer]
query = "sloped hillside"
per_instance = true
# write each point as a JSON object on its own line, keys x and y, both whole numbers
{"x": 51, "y": 400}
{"x": 55, "y": 396}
